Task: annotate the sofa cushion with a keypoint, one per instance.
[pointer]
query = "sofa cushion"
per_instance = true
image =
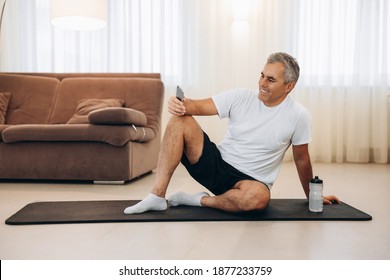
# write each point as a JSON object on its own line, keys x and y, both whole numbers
{"x": 145, "y": 95}
{"x": 4, "y": 99}
{"x": 117, "y": 115}
{"x": 117, "y": 135}
{"x": 32, "y": 98}
{"x": 85, "y": 106}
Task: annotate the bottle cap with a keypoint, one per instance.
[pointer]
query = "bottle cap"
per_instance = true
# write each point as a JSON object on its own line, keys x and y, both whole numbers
{"x": 316, "y": 180}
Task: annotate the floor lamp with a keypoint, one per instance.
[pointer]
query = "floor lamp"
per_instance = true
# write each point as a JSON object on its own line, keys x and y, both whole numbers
{"x": 78, "y": 14}
{"x": 1, "y": 22}
{"x": 2, "y": 12}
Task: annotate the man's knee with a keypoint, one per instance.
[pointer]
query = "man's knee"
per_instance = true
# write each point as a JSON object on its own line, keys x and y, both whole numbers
{"x": 188, "y": 130}
{"x": 181, "y": 120}
{"x": 255, "y": 198}
{"x": 178, "y": 125}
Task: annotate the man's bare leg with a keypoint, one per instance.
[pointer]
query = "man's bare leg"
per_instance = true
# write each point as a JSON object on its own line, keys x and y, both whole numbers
{"x": 246, "y": 195}
{"x": 182, "y": 134}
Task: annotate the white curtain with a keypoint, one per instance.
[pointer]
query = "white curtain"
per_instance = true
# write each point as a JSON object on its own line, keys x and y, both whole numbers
{"x": 344, "y": 49}
{"x": 208, "y": 46}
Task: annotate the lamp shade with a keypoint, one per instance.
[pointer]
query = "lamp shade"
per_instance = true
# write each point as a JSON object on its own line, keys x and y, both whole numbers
{"x": 78, "y": 14}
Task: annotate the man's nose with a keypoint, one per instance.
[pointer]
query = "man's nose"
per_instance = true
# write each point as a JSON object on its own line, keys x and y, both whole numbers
{"x": 263, "y": 83}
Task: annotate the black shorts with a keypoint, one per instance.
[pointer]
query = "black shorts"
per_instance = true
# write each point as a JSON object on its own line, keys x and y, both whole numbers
{"x": 212, "y": 171}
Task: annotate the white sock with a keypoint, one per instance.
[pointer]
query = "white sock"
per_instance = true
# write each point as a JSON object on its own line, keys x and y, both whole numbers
{"x": 182, "y": 198}
{"x": 150, "y": 202}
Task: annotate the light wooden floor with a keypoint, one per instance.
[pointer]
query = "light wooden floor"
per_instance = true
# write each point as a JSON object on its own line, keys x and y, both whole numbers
{"x": 364, "y": 186}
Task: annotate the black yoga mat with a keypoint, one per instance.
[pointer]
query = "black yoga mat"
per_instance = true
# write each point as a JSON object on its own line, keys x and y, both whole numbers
{"x": 62, "y": 212}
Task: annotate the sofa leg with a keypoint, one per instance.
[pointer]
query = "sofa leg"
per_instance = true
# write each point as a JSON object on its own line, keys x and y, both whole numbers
{"x": 109, "y": 182}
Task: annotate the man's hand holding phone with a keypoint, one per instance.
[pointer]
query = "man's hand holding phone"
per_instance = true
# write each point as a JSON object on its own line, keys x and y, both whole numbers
{"x": 176, "y": 103}
{"x": 179, "y": 94}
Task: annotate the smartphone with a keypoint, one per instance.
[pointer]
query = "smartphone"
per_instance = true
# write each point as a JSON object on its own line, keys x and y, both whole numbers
{"x": 179, "y": 93}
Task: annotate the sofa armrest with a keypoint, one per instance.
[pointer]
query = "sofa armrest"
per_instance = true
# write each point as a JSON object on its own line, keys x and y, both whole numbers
{"x": 2, "y": 127}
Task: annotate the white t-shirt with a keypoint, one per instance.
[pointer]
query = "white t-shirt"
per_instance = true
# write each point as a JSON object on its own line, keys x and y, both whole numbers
{"x": 258, "y": 136}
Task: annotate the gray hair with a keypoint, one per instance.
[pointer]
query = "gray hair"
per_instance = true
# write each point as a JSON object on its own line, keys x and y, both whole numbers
{"x": 291, "y": 67}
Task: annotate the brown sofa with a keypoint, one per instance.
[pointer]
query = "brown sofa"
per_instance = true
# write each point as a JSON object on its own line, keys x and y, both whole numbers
{"x": 79, "y": 126}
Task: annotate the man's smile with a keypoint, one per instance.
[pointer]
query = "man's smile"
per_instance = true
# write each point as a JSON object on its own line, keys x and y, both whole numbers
{"x": 264, "y": 91}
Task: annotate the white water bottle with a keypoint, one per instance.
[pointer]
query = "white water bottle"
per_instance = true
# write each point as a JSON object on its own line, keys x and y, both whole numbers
{"x": 316, "y": 195}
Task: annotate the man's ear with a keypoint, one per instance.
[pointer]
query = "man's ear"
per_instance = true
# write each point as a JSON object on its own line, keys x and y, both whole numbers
{"x": 290, "y": 87}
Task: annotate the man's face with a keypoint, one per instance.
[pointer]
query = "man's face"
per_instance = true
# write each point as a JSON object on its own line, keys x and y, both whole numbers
{"x": 272, "y": 88}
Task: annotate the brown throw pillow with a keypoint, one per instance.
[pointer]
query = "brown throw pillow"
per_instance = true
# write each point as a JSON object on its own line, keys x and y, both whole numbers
{"x": 117, "y": 116}
{"x": 4, "y": 99}
{"x": 85, "y": 106}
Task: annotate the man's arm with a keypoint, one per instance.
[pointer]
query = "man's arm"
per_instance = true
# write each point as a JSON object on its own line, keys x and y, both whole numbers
{"x": 305, "y": 171}
{"x": 303, "y": 164}
{"x": 201, "y": 107}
